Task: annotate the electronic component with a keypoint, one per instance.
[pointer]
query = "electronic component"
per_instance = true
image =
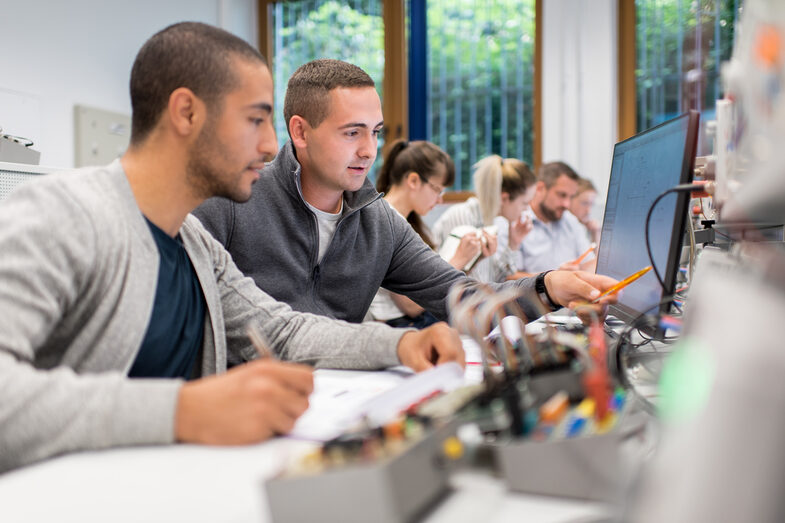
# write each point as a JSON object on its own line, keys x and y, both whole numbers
{"x": 546, "y": 395}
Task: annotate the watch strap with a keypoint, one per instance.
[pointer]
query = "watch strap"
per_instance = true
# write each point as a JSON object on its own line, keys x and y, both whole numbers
{"x": 542, "y": 291}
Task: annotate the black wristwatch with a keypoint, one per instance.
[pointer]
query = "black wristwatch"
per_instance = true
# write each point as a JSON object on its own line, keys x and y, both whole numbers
{"x": 542, "y": 292}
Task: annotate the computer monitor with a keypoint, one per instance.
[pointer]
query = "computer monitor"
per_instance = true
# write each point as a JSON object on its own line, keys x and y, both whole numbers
{"x": 643, "y": 167}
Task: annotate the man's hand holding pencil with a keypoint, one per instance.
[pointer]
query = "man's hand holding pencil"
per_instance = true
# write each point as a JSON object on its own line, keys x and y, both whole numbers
{"x": 247, "y": 404}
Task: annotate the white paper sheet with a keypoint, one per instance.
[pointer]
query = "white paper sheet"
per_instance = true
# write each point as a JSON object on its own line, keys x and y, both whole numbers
{"x": 342, "y": 398}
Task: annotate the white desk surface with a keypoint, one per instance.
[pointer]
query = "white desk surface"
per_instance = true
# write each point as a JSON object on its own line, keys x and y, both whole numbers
{"x": 194, "y": 483}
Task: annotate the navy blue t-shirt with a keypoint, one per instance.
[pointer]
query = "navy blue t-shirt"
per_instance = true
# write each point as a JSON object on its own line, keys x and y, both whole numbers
{"x": 174, "y": 334}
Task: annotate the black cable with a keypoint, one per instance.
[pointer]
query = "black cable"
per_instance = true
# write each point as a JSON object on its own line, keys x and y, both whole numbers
{"x": 620, "y": 346}
{"x": 688, "y": 187}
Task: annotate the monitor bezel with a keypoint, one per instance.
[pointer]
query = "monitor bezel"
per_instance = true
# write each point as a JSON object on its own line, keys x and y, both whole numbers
{"x": 625, "y": 313}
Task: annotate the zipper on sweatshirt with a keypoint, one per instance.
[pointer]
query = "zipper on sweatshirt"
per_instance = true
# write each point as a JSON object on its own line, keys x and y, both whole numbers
{"x": 340, "y": 222}
{"x": 361, "y": 207}
{"x": 316, "y": 271}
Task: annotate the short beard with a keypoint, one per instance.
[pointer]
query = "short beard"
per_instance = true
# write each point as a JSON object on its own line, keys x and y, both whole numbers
{"x": 549, "y": 214}
{"x": 204, "y": 179}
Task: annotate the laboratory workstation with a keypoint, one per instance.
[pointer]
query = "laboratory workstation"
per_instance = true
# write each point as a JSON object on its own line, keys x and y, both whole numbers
{"x": 392, "y": 261}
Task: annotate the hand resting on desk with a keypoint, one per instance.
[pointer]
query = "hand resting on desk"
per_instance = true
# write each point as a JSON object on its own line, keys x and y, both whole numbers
{"x": 421, "y": 350}
{"x": 247, "y": 404}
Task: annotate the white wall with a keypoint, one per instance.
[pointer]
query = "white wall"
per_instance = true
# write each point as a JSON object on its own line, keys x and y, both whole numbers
{"x": 58, "y": 54}
{"x": 580, "y": 94}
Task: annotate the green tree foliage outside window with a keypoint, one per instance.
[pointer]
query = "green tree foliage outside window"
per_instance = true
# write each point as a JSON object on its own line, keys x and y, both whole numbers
{"x": 681, "y": 45}
{"x": 481, "y": 72}
{"x": 481, "y": 56}
{"x": 305, "y": 30}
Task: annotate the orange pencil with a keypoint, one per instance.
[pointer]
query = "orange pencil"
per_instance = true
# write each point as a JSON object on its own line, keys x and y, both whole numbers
{"x": 580, "y": 258}
{"x": 626, "y": 281}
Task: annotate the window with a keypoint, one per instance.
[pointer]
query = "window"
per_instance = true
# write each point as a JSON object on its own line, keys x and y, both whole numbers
{"x": 304, "y": 30}
{"x": 681, "y": 45}
{"x": 481, "y": 80}
{"x": 480, "y": 94}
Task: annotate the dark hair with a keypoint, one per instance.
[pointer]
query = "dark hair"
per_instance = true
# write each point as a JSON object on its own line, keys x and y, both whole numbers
{"x": 188, "y": 54}
{"x": 307, "y": 93}
{"x": 421, "y": 157}
{"x": 550, "y": 172}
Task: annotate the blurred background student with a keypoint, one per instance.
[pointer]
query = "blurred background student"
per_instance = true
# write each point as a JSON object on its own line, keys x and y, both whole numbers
{"x": 414, "y": 177}
{"x": 557, "y": 239}
{"x": 504, "y": 189}
{"x": 581, "y": 206}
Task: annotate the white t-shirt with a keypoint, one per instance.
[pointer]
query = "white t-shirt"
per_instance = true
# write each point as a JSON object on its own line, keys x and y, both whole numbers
{"x": 327, "y": 223}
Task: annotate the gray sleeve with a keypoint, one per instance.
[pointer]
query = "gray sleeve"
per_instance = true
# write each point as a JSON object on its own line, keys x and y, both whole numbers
{"x": 46, "y": 265}
{"x": 494, "y": 269}
{"x": 421, "y": 274}
{"x": 296, "y": 336}
{"x": 45, "y": 413}
{"x": 217, "y": 216}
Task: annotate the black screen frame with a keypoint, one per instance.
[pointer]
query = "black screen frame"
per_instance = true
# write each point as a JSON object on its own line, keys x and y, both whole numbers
{"x": 623, "y": 312}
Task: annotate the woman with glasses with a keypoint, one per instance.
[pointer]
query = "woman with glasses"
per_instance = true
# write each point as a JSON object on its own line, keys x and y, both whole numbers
{"x": 504, "y": 188}
{"x": 413, "y": 177}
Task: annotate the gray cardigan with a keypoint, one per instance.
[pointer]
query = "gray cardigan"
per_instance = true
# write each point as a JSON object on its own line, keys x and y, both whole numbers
{"x": 273, "y": 238}
{"x": 78, "y": 272}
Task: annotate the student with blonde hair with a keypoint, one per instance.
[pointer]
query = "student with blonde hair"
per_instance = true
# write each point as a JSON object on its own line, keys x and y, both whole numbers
{"x": 413, "y": 177}
{"x": 504, "y": 188}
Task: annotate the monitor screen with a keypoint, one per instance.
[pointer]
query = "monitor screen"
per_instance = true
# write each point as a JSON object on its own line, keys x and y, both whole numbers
{"x": 643, "y": 167}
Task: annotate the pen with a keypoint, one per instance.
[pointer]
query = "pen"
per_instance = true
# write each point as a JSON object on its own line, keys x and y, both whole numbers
{"x": 626, "y": 281}
{"x": 580, "y": 258}
{"x": 478, "y": 232}
{"x": 258, "y": 341}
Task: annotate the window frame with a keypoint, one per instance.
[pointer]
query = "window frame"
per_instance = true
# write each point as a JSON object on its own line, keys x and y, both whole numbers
{"x": 395, "y": 86}
{"x": 627, "y": 62}
{"x": 627, "y": 109}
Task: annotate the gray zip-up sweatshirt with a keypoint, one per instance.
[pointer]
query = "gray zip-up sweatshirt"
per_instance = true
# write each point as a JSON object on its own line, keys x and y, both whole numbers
{"x": 78, "y": 273}
{"x": 273, "y": 238}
